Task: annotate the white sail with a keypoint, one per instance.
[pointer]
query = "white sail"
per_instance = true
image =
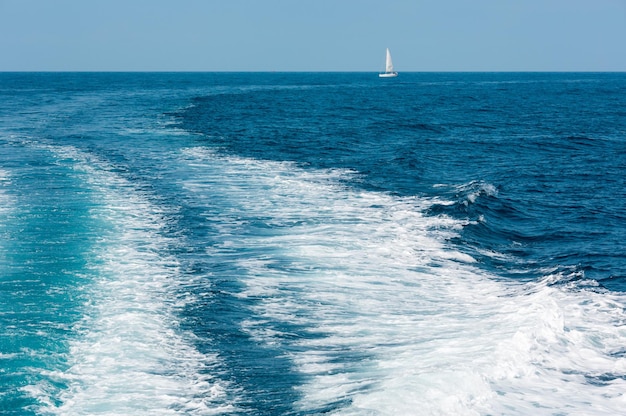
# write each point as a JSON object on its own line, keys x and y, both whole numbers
{"x": 389, "y": 72}
{"x": 388, "y": 62}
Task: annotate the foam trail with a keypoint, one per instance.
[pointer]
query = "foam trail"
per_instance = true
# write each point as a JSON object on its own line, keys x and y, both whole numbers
{"x": 129, "y": 356}
{"x": 6, "y": 207}
{"x": 5, "y": 201}
{"x": 396, "y": 321}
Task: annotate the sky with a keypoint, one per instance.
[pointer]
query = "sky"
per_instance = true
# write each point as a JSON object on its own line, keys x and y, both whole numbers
{"x": 312, "y": 35}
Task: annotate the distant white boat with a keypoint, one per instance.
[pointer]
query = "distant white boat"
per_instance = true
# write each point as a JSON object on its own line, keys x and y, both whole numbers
{"x": 389, "y": 72}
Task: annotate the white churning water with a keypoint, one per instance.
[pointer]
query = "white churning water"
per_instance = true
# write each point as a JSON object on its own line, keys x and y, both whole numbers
{"x": 399, "y": 321}
{"x": 129, "y": 356}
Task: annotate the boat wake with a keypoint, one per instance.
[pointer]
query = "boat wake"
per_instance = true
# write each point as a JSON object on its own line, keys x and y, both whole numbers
{"x": 381, "y": 314}
{"x": 129, "y": 355}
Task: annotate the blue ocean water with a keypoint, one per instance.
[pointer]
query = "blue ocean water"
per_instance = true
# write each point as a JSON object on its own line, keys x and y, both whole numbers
{"x": 312, "y": 243}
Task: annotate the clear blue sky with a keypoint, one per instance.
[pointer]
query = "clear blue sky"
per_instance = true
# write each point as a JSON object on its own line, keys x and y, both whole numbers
{"x": 312, "y": 35}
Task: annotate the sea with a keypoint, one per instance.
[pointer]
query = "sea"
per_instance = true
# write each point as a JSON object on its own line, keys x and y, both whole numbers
{"x": 312, "y": 243}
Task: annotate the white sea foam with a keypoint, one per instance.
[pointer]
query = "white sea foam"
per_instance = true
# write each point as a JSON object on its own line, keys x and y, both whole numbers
{"x": 474, "y": 189}
{"x": 7, "y": 205}
{"x": 403, "y": 322}
{"x": 5, "y": 201}
{"x": 130, "y": 357}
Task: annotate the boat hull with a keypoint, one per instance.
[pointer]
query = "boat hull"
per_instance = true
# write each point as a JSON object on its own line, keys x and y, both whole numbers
{"x": 388, "y": 75}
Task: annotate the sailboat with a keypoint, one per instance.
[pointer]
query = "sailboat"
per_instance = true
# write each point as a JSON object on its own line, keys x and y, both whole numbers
{"x": 389, "y": 72}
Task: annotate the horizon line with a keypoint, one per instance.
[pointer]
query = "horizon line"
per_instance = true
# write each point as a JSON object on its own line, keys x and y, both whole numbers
{"x": 310, "y": 72}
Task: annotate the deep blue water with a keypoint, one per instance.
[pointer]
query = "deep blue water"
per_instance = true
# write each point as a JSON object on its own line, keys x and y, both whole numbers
{"x": 312, "y": 243}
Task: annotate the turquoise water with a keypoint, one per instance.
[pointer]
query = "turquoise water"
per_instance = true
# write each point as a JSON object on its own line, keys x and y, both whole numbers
{"x": 312, "y": 243}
